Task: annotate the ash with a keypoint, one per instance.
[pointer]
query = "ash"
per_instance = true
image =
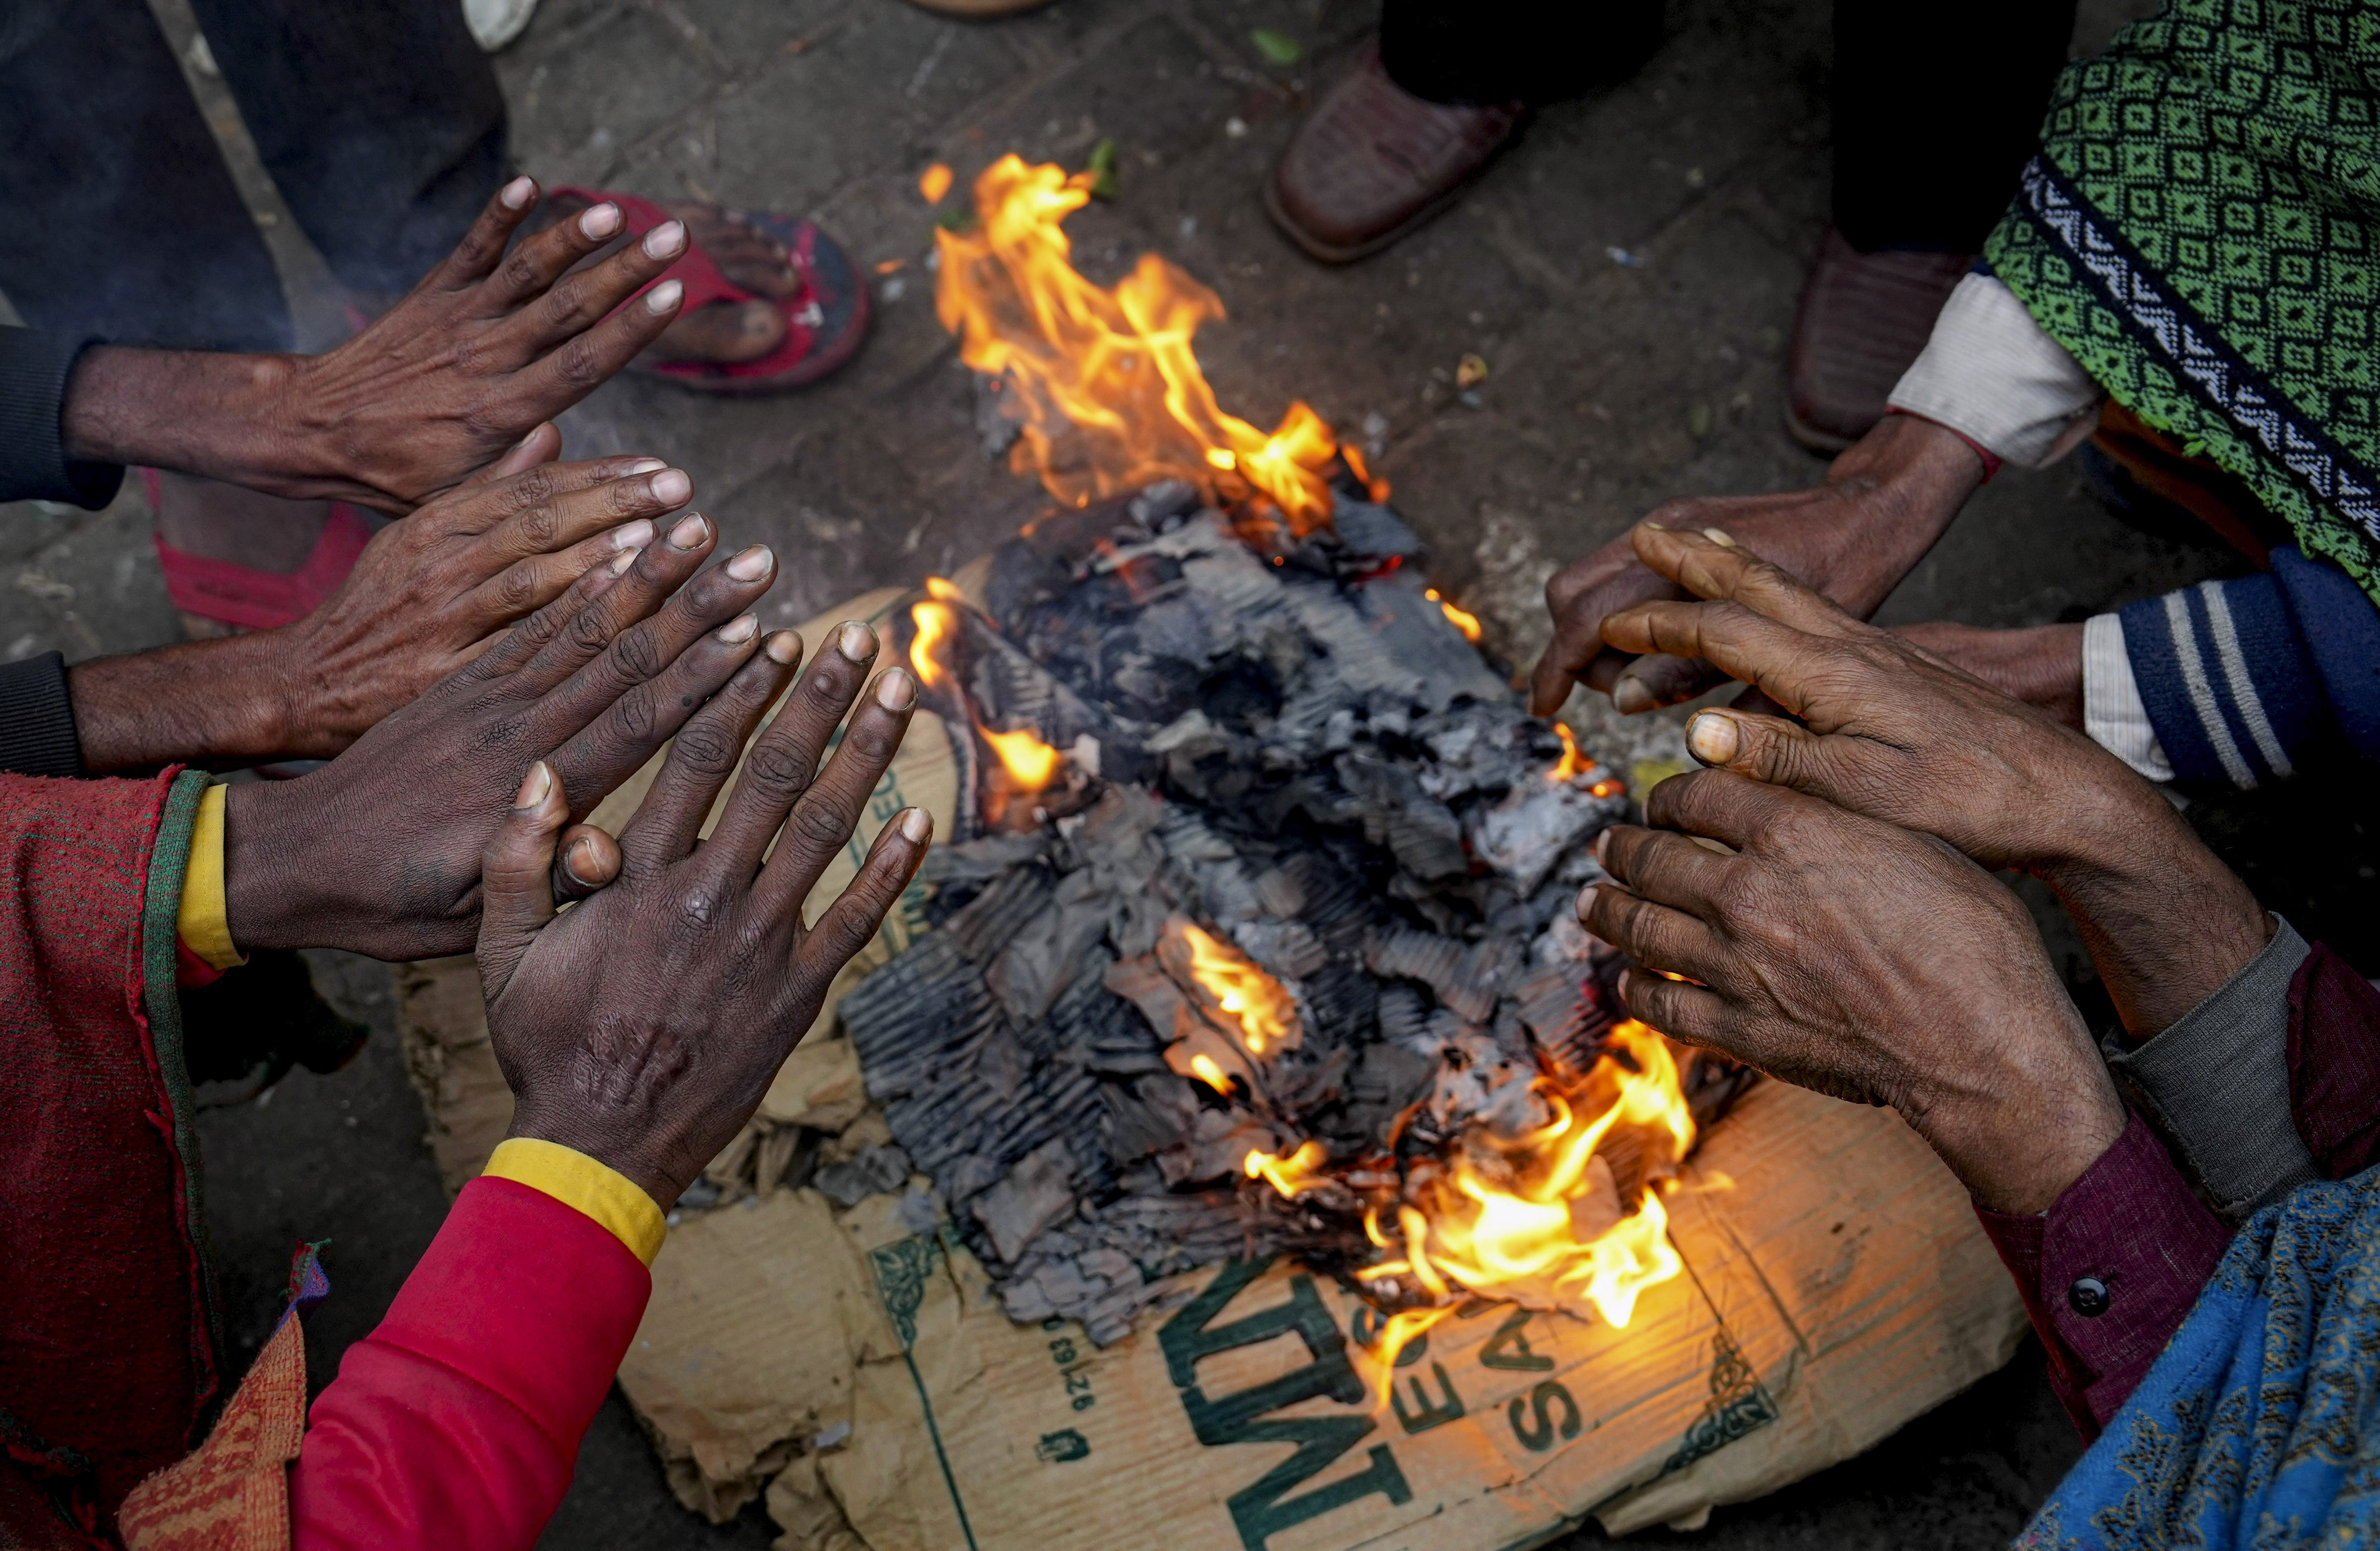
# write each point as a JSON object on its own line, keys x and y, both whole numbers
{"x": 1284, "y": 745}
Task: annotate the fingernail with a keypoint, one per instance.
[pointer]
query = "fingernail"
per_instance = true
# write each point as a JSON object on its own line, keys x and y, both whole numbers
{"x": 663, "y": 297}
{"x": 916, "y": 825}
{"x": 671, "y": 487}
{"x": 690, "y": 534}
{"x": 1713, "y": 738}
{"x": 1585, "y": 901}
{"x": 621, "y": 562}
{"x": 1602, "y": 847}
{"x": 1716, "y": 537}
{"x": 600, "y": 222}
{"x": 1630, "y": 695}
{"x": 752, "y": 564}
{"x": 529, "y": 437}
{"x": 667, "y": 240}
{"x": 1658, "y": 527}
{"x": 632, "y": 536}
{"x": 534, "y": 787}
{"x": 896, "y": 691}
{"x": 737, "y": 631}
{"x": 782, "y": 645}
{"x": 570, "y": 858}
{"x": 517, "y": 193}
{"x": 856, "y": 641}
{"x": 645, "y": 466}
{"x": 1620, "y": 984}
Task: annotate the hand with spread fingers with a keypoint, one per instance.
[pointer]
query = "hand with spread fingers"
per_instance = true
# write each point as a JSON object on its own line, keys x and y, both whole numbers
{"x": 379, "y": 850}
{"x": 1883, "y": 505}
{"x": 425, "y": 595}
{"x": 1846, "y": 955}
{"x": 485, "y": 349}
{"x": 1889, "y": 730}
{"x": 642, "y": 1026}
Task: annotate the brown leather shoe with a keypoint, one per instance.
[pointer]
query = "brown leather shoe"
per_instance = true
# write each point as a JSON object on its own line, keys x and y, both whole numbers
{"x": 1863, "y": 317}
{"x": 1372, "y": 161}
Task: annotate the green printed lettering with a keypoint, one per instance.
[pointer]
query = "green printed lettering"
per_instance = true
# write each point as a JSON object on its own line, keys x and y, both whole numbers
{"x": 1540, "y": 1438}
{"x": 1424, "y": 1414}
{"x": 1509, "y": 1349}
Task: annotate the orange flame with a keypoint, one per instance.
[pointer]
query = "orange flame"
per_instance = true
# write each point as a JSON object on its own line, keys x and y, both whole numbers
{"x": 1572, "y": 764}
{"x": 1301, "y": 1170}
{"x": 1463, "y": 619}
{"x": 934, "y": 182}
{"x": 1031, "y": 764}
{"x": 937, "y": 624}
{"x": 1255, "y": 1000}
{"x": 1105, "y": 380}
{"x": 1210, "y": 1073}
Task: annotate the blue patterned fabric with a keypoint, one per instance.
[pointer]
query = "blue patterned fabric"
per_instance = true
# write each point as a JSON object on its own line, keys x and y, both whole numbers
{"x": 2256, "y": 1429}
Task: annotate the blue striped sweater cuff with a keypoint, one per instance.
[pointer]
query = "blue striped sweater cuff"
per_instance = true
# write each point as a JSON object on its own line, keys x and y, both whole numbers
{"x": 2226, "y": 679}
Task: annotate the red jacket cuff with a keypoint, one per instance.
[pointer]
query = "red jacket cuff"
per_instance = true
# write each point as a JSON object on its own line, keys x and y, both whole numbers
{"x": 2109, "y": 1271}
{"x": 458, "y": 1421}
{"x": 2335, "y": 1063}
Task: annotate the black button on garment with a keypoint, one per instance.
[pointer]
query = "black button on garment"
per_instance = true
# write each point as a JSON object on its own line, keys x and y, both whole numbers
{"x": 2088, "y": 1297}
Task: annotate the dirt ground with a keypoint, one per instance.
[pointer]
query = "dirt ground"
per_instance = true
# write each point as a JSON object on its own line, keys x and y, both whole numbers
{"x": 1628, "y": 271}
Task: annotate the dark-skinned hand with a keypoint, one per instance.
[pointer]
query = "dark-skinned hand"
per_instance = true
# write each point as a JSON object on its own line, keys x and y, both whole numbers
{"x": 1884, "y": 503}
{"x": 484, "y": 351}
{"x": 379, "y": 850}
{"x": 2041, "y": 664}
{"x": 1889, "y": 730}
{"x": 1846, "y": 955}
{"x": 643, "y": 1025}
{"x": 425, "y": 595}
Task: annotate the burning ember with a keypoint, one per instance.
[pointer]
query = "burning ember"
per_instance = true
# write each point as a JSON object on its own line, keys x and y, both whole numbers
{"x": 1460, "y": 619}
{"x": 1104, "y": 382}
{"x": 1253, "y": 999}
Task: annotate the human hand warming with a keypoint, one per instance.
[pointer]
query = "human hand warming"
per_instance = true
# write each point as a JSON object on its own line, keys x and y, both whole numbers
{"x": 2041, "y": 664}
{"x": 425, "y": 594}
{"x": 1884, "y": 503}
{"x": 379, "y": 850}
{"x": 1845, "y": 955}
{"x": 1889, "y": 730}
{"x": 643, "y": 1025}
{"x": 484, "y": 350}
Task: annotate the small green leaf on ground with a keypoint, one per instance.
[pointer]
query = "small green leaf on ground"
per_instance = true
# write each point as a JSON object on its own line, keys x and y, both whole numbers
{"x": 1103, "y": 170}
{"x": 1698, "y": 421}
{"x": 960, "y": 219}
{"x": 1279, "y": 48}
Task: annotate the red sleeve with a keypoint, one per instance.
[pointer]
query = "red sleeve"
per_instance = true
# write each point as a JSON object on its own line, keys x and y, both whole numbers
{"x": 2335, "y": 1063}
{"x": 2109, "y": 1271}
{"x": 456, "y": 1423}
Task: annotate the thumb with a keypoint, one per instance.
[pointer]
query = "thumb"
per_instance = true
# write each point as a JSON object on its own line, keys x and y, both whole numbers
{"x": 1768, "y": 748}
{"x": 516, "y": 877}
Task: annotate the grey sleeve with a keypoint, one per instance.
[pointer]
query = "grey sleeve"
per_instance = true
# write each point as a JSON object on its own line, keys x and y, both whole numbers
{"x": 2216, "y": 1085}
{"x": 33, "y": 463}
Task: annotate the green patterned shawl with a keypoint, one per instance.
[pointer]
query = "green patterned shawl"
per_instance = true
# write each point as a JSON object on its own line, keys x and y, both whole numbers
{"x": 2201, "y": 229}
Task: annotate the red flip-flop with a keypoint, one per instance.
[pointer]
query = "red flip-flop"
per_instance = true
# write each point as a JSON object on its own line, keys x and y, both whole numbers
{"x": 251, "y": 600}
{"x": 825, "y": 319}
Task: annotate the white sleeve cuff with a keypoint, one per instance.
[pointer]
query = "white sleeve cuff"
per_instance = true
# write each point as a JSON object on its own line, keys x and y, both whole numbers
{"x": 2113, "y": 712}
{"x": 1992, "y": 374}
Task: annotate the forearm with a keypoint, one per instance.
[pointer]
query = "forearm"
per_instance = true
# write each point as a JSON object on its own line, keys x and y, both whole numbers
{"x": 213, "y": 704}
{"x": 1908, "y": 479}
{"x": 201, "y": 412}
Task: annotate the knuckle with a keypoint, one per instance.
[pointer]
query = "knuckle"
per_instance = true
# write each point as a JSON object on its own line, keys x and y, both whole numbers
{"x": 707, "y": 749}
{"x": 820, "y": 826}
{"x": 636, "y": 656}
{"x": 578, "y": 363}
{"x": 590, "y": 631}
{"x": 777, "y": 767}
{"x": 521, "y": 271}
{"x": 517, "y": 590}
{"x": 539, "y": 528}
{"x": 633, "y": 714}
{"x": 699, "y": 906}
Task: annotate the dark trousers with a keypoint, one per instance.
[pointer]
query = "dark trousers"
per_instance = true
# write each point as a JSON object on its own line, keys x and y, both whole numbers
{"x": 379, "y": 120}
{"x": 1936, "y": 107}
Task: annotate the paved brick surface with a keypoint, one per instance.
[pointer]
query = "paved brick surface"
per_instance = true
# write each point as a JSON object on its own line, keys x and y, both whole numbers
{"x": 1613, "y": 386}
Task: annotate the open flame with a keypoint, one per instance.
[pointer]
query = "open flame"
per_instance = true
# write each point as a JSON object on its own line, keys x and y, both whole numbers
{"x": 1535, "y": 1216}
{"x": 1031, "y": 764}
{"x": 1106, "y": 385}
{"x": 1462, "y": 619}
{"x": 1573, "y": 763}
{"x": 1259, "y": 1005}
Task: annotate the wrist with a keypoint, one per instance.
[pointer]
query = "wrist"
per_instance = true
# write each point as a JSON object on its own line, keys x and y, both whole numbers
{"x": 2020, "y": 1156}
{"x": 214, "y": 704}
{"x": 212, "y": 413}
{"x": 638, "y": 1153}
{"x": 1905, "y": 481}
{"x": 270, "y": 880}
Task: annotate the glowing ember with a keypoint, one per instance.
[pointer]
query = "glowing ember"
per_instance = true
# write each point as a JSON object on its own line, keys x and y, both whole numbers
{"x": 1209, "y": 1073}
{"x": 933, "y": 183}
{"x": 1572, "y": 764}
{"x": 1255, "y": 1000}
{"x": 1031, "y": 764}
{"x": 937, "y": 624}
{"x": 1104, "y": 380}
{"x": 1463, "y": 620}
{"x": 1300, "y": 1170}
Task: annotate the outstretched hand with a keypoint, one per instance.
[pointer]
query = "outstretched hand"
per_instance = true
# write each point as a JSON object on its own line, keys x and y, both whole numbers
{"x": 379, "y": 850}
{"x": 1889, "y": 730}
{"x": 1862, "y": 961}
{"x": 483, "y": 352}
{"x": 643, "y": 1025}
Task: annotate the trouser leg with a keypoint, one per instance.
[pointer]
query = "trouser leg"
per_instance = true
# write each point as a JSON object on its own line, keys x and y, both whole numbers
{"x": 1484, "y": 52}
{"x": 1936, "y": 109}
{"x": 121, "y": 219}
{"x": 380, "y": 121}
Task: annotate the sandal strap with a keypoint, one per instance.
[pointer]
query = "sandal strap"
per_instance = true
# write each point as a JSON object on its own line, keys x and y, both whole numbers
{"x": 694, "y": 269}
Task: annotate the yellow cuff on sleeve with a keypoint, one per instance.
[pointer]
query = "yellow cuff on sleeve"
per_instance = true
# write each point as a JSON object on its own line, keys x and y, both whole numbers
{"x": 204, "y": 926}
{"x": 575, "y": 1180}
